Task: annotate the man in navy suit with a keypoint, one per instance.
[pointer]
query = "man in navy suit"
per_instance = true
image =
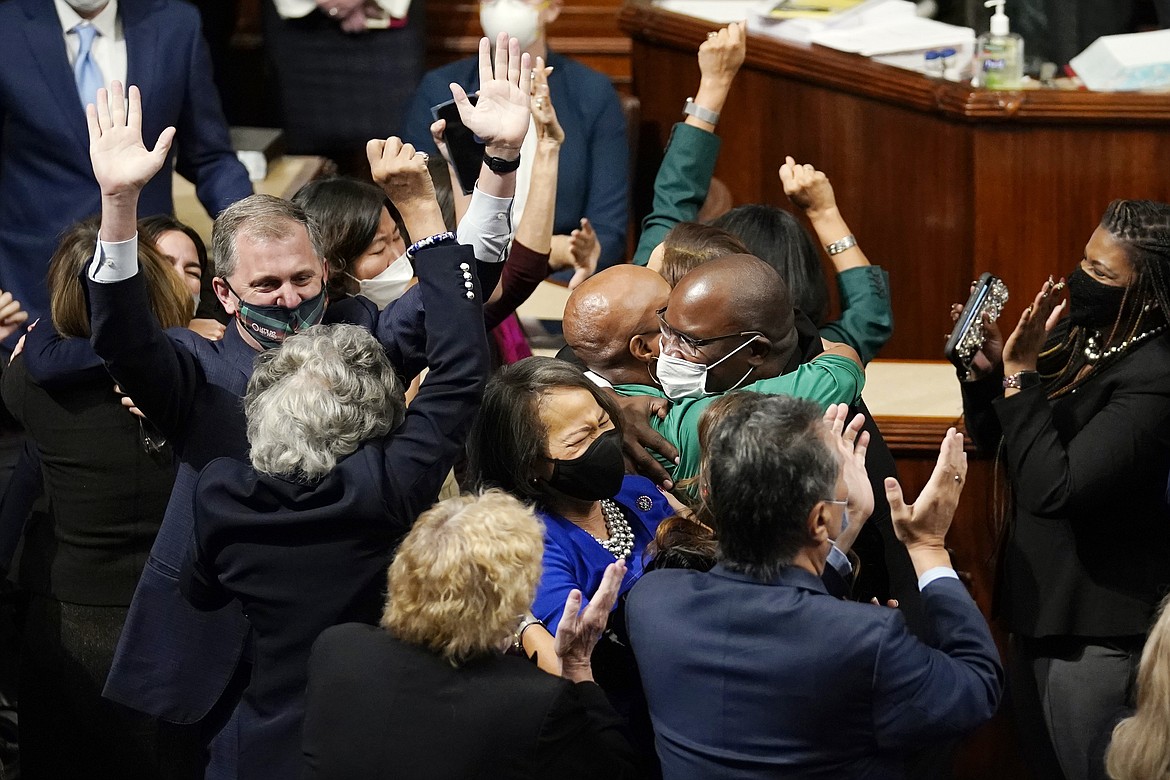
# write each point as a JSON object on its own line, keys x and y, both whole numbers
{"x": 752, "y": 670}
{"x": 184, "y": 666}
{"x": 51, "y": 51}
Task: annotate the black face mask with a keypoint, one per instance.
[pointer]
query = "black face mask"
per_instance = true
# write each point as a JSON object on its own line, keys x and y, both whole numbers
{"x": 1092, "y": 304}
{"x": 596, "y": 474}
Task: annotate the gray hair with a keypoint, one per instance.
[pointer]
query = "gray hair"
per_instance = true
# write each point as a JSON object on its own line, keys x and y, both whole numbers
{"x": 768, "y": 463}
{"x": 317, "y": 398}
{"x": 259, "y": 217}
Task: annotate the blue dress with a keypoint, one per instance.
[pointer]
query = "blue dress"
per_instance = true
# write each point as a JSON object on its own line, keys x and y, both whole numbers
{"x": 574, "y": 559}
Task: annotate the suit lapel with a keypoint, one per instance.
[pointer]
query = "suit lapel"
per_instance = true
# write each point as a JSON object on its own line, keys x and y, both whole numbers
{"x": 47, "y": 44}
{"x": 141, "y": 45}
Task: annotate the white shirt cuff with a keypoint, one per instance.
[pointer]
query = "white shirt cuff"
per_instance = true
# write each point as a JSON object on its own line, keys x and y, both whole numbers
{"x": 937, "y": 573}
{"x": 487, "y": 226}
{"x": 840, "y": 561}
{"x": 114, "y": 261}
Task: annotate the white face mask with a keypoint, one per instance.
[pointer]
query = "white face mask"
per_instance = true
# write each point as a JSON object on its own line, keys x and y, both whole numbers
{"x": 683, "y": 379}
{"x": 87, "y": 6}
{"x": 389, "y": 285}
{"x": 515, "y": 17}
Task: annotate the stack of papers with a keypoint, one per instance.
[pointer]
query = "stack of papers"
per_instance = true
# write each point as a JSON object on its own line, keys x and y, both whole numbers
{"x": 900, "y": 35}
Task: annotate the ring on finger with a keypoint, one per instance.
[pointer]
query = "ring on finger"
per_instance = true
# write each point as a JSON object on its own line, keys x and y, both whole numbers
{"x": 333, "y": 12}
{"x": 711, "y": 35}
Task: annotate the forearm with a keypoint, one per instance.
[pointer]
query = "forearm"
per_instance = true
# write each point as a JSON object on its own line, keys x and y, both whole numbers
{"x": 523, "y": 273}
{"x": 536, "y": 226}
{"x": 119, "y": 217}
{"x": 712, "y": 95}
{"x": 928, "y": 554}
{"x": 830, "y": 226}
{"x": 681, "y": 185}
{"x": 500, "y": 185}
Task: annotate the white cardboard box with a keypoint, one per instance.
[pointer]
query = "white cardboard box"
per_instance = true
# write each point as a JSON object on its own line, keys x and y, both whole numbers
{"x": 1122, "y": 63}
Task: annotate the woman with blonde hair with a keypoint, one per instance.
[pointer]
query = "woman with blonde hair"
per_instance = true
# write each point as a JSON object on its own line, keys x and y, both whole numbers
{"x": 1141, "y": 743}
{"x": 106, "y": 483}
{"x": 430, "y": 693}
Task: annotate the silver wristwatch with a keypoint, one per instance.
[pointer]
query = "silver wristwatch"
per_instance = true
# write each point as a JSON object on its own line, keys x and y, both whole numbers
{"x": 691, "y": 108}
{"x": 841, "y": 244}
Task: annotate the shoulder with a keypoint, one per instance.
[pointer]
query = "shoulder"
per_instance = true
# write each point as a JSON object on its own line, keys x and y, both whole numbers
{"x": 643, "y": 497}
{"x": 346, "y": 639}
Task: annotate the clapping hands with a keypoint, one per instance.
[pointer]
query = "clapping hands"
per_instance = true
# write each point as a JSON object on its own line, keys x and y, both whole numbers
{"x": 852, "y": 444}
{"x": 579, "y": 630}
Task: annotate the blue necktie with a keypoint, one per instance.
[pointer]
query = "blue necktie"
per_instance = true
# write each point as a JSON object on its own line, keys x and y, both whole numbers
{"x": 85, "y": 69}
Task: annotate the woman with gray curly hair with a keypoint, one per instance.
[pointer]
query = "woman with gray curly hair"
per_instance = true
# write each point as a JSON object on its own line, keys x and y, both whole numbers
{"x": 430, "y": 694}
{"x": 339, "y": 471}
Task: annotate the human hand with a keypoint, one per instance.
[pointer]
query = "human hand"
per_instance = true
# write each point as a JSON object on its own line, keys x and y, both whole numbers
{"x": 852, "y": 444}
{"x": 121, "y": 162}
{"x": 1022, "y": 348}
{"x": 639, "y": 439}
{"x": 990, "y": 355}
{"x": 128, "y": 403}
{"x": 721, "y": 55}
{"x": 923, "y": 525}
{"x": 548, "y": 130}
{"x": 585, "y": 250}
{"x": 12, "y": 316}
{"x": 807, "y": 188}
{"x": 212, "y": 330}
{"x": 355, "y": 22}
{"x": 338, "y": 10}
{"x": 579, "y": 630}
{"x": 500, "y": 116}
{"x": 439, "y": 137}
{"x": 402, "y": 174}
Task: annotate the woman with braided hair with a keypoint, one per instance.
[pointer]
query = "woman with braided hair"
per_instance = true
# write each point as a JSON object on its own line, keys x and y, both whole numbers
{"x": 1077, "y": 402}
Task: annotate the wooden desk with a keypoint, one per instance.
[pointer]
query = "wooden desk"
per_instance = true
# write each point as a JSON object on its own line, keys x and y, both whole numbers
{"x": 938, "y": 181}
{"x": 285, "y": 176}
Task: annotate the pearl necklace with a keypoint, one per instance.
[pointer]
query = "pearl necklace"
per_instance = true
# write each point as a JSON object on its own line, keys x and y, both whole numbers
{"x": 1093, "y": 355}
{"x": 621, "y": 536}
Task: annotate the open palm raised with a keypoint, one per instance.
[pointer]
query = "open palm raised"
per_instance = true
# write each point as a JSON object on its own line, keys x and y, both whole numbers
{"x": 121, "y": 162}
{"x": 500, "y": 117}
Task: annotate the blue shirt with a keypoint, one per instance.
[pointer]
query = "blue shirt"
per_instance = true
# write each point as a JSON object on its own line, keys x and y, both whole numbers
{"x": 593, "y": 178}
{"x": 574, "y": 559}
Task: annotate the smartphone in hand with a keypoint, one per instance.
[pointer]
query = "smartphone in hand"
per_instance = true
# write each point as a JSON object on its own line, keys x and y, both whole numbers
{"x": 465, "y": 148}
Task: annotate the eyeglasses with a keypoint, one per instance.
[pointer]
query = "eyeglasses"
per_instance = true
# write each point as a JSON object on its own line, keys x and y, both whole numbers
{"x": 689, "y": 344}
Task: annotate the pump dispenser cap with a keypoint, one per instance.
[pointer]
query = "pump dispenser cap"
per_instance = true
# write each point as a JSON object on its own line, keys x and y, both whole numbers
{"x": 999, "y": 20}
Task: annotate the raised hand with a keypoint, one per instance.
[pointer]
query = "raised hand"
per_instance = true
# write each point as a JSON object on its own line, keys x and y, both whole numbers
{"x": 579, "y": 630}
{"x": 852, "y": 444}
{"x": 548, "y": 129}
{"x": 721, "y": 55}
{"x": 121, "y": 162}
{"x": 1022, "y": 348}
{"x": 585, "y": 251}
{"x": 402, "y": 174}
{"x": 922, "y": 526}
{"x": 500, "y": 117}
{"x": 807, "y": 188}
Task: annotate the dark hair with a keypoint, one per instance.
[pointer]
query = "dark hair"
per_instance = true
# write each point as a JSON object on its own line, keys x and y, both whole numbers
{"x": 508, "y": 436}
{"x": 682, "y": 543}
{"x": 768, "y": 463}
{"x": 347, "y": 212}
{"x": 777, "y": 238}
{"x": 690, "y": 244}
{"x": 441, "y": 180}
{"x": 154, "y": 227}
{"x": 1142, "y": 227}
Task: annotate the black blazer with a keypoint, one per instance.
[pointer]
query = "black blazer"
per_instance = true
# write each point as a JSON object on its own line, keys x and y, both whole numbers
{"x": 1088, "y": 545}
{"x": 381, "y": 708}
{"x": 105, "y": 492}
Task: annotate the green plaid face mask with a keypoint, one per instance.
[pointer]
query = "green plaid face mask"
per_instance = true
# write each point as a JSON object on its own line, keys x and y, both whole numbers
{"x": 271, "y": 325}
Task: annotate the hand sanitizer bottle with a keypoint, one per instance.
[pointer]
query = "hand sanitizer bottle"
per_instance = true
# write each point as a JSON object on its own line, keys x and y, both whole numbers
{"x": 999, "y": 54}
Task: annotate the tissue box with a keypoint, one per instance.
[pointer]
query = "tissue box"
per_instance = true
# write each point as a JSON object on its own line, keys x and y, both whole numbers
{"x": 1120, "y": 63}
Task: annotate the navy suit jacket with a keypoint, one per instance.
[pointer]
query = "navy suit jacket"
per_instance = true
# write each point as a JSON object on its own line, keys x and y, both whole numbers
{"x": 174, "y": 661}
{"x": 759, "y": 680}
{"x": 592, "y": 179}
{"x": 301, "y": 557}
{"x": 46, "y": 181}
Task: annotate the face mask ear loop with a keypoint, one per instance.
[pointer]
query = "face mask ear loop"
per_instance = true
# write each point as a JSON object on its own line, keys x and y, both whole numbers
{"x": 707, "y": 375}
